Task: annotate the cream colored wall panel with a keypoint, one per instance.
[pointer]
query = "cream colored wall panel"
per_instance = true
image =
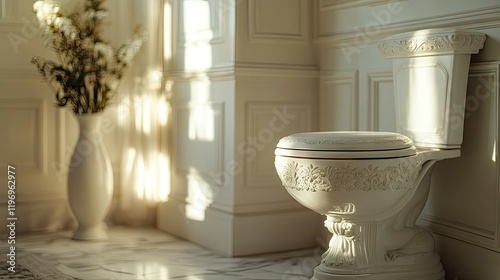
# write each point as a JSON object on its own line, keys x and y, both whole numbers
{"x": 11, "y": 11}
{"x": 264, "y": 38}
{"x": 466, "y": 261}
{"x": 291, "y": 25}
{"x": 465, "y": 206}
{"x": 203, "y": 35}
{"x": 209, "y": 23}
{"x": 29, "y": 140}
{"x": 266, "y": 123}
{"x": 338, "y": 101}
{"x": 24, "y": 129}
{"x": 368, "y": 24}
{"x": 273, "y": 103}
{"x": 202, "y": 151}
{"x": 200, "y": 138}
{"x": 382, "y": 101}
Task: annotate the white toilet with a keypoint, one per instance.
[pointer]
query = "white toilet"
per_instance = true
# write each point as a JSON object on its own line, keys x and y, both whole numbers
{"x": 372, "y": 186}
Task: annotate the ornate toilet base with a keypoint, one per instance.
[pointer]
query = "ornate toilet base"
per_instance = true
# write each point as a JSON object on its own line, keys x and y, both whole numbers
{"x": 428, "y": 268}
{"x": 354, "y": 253}
{"x": 422, "y": 267}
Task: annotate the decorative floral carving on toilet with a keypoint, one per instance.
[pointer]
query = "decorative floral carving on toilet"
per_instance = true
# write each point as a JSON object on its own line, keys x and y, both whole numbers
{"x": 346, "y": 177}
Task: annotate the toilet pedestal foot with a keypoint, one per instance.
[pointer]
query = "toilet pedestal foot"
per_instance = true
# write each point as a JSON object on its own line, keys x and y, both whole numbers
{"x": 357, "y": 251}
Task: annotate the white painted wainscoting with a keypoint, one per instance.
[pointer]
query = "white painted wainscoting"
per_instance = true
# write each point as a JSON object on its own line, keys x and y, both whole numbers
{"x": 242, "y": 82}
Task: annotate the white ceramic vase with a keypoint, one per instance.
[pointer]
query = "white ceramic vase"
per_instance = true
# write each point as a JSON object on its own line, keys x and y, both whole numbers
{"x": 90, "y": 180}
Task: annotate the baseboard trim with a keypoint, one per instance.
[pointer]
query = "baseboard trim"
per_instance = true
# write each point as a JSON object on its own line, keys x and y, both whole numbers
{"x": 233, "y": 235}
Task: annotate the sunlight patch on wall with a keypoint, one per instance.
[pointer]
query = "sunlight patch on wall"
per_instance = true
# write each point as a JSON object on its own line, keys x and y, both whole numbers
{"x": 167, "y": 31}
{"x": 494, "y": 153}
{"x": 202, "y": 26}
{"x": 197, "y": 35}
{"x": 200, "y": 196}
{"x": 201, "y": 126}
{"x": 150, "y": 180}
{"x": 142, "y": 117}
{"x": 198, "y": 57}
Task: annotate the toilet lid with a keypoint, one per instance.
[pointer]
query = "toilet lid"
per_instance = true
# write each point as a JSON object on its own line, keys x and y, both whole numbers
{"x": 346, "y": 144}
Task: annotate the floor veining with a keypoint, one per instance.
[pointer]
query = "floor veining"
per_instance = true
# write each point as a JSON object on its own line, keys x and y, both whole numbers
{"x": 147, "y": 253}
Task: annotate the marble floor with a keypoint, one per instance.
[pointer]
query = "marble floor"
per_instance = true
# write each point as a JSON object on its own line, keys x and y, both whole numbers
{"x": 135, "y": 254}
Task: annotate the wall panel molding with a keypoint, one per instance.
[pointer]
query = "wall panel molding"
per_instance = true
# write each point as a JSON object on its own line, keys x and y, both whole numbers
{"x": 327, "y": 5}
{"x": 488, "y": 76}
{"x": 214, "y": 73}
{"x": 259, "y": 32}
{"x": 460, "y": 231}
{"x": 9, "y": 10}
{"x": 30, "y": 132}
{"x": 254, "y": 69}
{"x": 264, "y": 124}
{"x": 202, "y": 151}
{"x": 375, "y": 80}
{"x": 339, "y": 95}
{"x": 276, "y": 70}
{"x": 215, "y": 12}
{"x": 484, "y": 18}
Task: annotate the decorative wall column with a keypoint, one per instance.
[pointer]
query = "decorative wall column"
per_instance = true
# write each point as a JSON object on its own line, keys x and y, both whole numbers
{"x": 245, "y": 76}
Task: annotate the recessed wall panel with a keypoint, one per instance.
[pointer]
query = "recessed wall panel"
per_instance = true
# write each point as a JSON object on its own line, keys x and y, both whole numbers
{"x": 209, "y": 21}
{"x": 338, "y": 101}
{"x": 382, "y": 101}
{"x": 264, "y": 23}
{"x": 266, "y": 124}
{"x": 464, "y": 197}
{"x": 199, "y": 138}
{"x": 22, "y": 122}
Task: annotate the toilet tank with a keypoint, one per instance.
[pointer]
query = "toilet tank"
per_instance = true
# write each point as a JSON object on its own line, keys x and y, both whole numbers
{"x": 430, "y": 71}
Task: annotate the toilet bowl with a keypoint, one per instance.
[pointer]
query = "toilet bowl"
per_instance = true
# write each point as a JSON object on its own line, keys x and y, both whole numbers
{"x": 372, "y": 186}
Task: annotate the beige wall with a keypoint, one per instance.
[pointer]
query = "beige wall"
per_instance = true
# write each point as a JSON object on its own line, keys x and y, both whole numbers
{"x": 35, "y": 135}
